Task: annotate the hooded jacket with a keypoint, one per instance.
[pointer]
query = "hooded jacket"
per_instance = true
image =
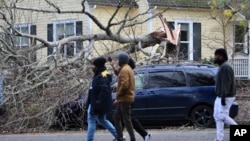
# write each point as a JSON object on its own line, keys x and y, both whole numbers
{"x": 126, "y": 84}
{"x": 99, "y": 95}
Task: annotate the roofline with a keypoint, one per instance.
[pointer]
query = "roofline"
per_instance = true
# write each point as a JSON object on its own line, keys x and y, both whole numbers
{"x": 175, "y": 65}
{"x": 243, "y": 16}
{"x": 112, "y": 4}
{"x": 176, "y": 8}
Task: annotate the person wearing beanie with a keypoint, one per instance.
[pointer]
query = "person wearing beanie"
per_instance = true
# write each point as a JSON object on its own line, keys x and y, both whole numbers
{"x": 124, "y": 98}
{"x": 135, "y": 122}
{"x": 99, "y": 102}
{"x": 225, "y": 91}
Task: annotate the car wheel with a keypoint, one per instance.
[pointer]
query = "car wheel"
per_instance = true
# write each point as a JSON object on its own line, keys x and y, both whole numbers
{"x": 202, "y": 116}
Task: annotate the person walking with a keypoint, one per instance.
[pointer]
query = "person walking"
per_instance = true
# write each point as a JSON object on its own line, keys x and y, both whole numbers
{"x": 99, "y": 101}
{"x": 225, "y": 91}
{"x": 124, "y": 98}
{"x": 135, "y": 122}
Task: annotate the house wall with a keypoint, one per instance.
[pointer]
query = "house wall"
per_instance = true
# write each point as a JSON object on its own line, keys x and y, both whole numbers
{"x": 211, "y": 31}
{"x": 107, "y": 12}
{"x": 41, "y": 20}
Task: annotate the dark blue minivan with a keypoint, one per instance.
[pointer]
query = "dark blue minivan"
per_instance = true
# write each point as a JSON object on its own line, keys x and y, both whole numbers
{"x": 176, "y": 92}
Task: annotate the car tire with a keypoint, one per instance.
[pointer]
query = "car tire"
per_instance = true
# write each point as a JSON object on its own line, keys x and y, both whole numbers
{"x": 202, "y": 116}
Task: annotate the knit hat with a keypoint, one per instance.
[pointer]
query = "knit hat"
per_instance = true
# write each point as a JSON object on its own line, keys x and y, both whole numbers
{"x": 123, "y": 58}
{"x": 99, "y": 62}
{"x": 221, "y": 51}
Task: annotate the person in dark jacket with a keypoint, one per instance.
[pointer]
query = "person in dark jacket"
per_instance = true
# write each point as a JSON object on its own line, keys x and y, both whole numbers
{"x": 99, "y": 101}
{"x": 225, "y": 91}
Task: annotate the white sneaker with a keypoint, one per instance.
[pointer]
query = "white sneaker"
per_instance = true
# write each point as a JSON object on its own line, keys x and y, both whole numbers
{"x": 123, "y": 139}
{"x": 147, "y": 137}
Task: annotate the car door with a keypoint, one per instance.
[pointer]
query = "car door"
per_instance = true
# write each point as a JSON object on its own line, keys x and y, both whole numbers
{"x": 139, "y": 106}
{"x": 168, "y": 97}
{"x": 202, "y": 81}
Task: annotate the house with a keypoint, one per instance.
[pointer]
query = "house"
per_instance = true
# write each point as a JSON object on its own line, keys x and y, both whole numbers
{"x": 240, "y": 57}
{"x": 201, "y": 33}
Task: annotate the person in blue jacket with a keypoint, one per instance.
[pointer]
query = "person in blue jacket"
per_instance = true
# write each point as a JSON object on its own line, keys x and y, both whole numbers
{"x": 99, "y": 102}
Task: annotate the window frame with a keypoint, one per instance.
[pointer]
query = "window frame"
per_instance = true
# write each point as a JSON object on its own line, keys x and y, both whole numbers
{"x": 190, "y": 42}
{"x": 20, "y": 26}
{"x": 188, "y": 71}
{"x": 244, "y": 49}
{"x": 64, "y": 22}
{"x": 162, "y": 71}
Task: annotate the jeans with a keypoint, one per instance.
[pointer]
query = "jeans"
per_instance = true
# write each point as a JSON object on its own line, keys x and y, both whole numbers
{"x": 123, "y": 112}
{"x": 101, "y": 119}
{"x": 221, "y": 116}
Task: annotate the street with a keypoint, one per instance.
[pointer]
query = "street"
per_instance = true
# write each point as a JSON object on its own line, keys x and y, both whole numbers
{"x": 102, "y": 135}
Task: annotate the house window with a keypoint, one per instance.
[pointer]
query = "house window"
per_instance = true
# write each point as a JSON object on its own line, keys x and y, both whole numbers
{"x": 240, "y": 35}
{"x": 63, "y": 29}
{"x": 186, "y": 40}
{"x": 23, "y": 41}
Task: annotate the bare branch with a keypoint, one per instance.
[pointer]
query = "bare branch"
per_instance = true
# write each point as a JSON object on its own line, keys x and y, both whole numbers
{"x": 43, "y": 10}
{"x": 97, "y": 22}
{"x": 53, "y": 5}
{"x": 150, "y": 18}
{"x": 112, "y": 17}
{"x": 125, "y": 20}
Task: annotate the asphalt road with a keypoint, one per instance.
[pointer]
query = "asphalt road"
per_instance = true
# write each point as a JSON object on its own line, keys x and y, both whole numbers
{"x": 102, "y": 135}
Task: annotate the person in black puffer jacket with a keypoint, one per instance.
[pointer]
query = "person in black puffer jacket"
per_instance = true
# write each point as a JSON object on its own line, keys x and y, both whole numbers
{"x": 99, "y": 101}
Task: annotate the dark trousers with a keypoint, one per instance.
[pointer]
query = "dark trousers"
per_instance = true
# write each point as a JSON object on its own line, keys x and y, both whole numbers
{"x": 138, "y": 127}
{"x": 123, "y": 112}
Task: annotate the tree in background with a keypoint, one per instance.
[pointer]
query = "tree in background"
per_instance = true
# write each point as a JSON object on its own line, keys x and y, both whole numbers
{"x": 34, "y": 90}
{"x": 226, "y": 13}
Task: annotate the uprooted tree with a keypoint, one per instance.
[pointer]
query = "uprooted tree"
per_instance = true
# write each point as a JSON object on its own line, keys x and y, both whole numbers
{"x": 34, "y": 90}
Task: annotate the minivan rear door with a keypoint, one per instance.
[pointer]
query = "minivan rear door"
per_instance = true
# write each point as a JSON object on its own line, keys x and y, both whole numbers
{"x": 202, "y": 81}
{"x": 168, "y": 97}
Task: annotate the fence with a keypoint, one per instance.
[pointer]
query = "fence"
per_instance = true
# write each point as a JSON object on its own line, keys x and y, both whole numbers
{"x": 241, "y": 67}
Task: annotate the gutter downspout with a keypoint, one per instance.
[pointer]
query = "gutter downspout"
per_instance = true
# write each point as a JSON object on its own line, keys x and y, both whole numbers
{"x": 88, "y": 55}
{"x": 89, "y": 20}
{"x": 150, "y": 24}
{"x": 248, "y": 40}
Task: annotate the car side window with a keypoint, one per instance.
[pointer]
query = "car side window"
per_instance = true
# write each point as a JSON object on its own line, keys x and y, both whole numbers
{"x": 139, "y": 80}
{"x": 166, "y": 79}
{"x": 201, "y": 77}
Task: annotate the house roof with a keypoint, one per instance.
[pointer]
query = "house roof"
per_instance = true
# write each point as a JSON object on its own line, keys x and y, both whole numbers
{"x": 181, "y": 3}
{"x": 111, "y": 2}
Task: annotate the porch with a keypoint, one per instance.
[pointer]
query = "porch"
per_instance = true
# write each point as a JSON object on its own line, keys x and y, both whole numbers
{"x": 241, "y": 66}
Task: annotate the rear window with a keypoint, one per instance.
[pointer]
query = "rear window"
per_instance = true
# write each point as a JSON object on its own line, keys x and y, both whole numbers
{"x": 166, "y": 79}
{"x": 201, "y": 77}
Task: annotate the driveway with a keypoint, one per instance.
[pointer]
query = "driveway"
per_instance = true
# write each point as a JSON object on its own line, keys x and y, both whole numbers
{"x": 103, "y": 135}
